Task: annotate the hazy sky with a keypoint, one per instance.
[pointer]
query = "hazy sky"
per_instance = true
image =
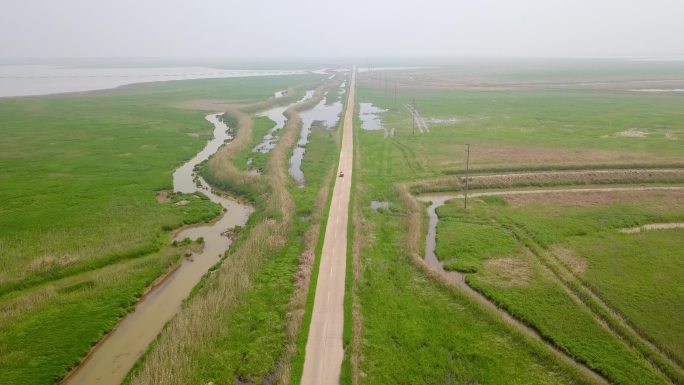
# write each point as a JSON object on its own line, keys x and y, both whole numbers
{"x": 360, "y": 28}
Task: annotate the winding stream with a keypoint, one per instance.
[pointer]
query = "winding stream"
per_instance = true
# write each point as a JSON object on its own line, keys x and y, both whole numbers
{"x": 431, "y": 241}
{"x": 111, "y": 359}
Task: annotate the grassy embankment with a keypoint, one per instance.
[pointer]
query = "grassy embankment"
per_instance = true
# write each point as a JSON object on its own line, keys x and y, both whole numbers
{"x": 436, "y": 334}
{"x": 80, "y": 175}
{"x": 242, "y": 324}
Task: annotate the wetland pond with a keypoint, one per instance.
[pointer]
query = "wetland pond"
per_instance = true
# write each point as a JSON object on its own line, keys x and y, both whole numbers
{"x": 370, "y": 116}
{"x": 328, "y": 115}
{"x": 276, "y": 114}
{"x": 111, "y": 359}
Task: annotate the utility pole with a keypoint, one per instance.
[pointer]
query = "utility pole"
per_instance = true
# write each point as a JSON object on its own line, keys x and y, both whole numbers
{"x": 465, "y": 202}
{"x": 395, "y": 95}
{"x": 413, "y": 115}
{"x": 384, "y": 89}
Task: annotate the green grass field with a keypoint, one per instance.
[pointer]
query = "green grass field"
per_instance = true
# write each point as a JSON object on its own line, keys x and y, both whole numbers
{"x": 82, "y": 233}
{"x": 255, "y": 331}
{"x": 80, "y": 173}
{"x": 524, "y": 128}
{"x": 435, "y": 335}
{"x": 79, "y": 180}
{"x": 246, "y": 338}
{"x": 534, "y": 124}
{"x": 515, "y": 279}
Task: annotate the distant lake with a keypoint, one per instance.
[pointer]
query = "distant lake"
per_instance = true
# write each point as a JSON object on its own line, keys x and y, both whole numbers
{"x": 26, "y": 80}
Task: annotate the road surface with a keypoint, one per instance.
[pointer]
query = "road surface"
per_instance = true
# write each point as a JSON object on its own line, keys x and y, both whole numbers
{"x": 324, "y": 351}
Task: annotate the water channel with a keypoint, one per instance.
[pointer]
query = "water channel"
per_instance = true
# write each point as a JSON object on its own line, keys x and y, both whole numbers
{"x": 111, "y": 359}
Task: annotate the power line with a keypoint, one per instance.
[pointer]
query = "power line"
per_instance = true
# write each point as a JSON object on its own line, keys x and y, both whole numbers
{"x": 413, "y": 115}
{"x": 465, "y": 201}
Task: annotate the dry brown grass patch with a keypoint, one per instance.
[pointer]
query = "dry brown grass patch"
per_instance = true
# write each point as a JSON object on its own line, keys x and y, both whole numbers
{"x": 45, "y": 263}
{"x": 633, "y": 133}
{"x": 507, "y": 272}
{"x": 487, "y": 154}
{"x": 576, "y": 264}
{"x": 657, "y": 199}
{"x": 210, "y": 105}
{"x": 163, "y": 196}
{"x": 586, "y": 177}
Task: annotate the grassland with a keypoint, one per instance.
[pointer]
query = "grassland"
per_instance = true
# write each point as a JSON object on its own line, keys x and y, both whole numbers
{"x": 635, "y": 273}
{"x": 261, "y": 126}
{"x": 80, "y": 175}
{"x": 258, "y": 294}
{"x": 35, "y": 322}
{"x": 510, "y": 274}
{"x": 524, "y": 129}
{"x": 434, "y": 334}
{"x": 517, "y": 121}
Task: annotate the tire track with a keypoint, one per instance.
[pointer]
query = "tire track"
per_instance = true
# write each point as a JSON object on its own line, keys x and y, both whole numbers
{"x": 419, "y": 121}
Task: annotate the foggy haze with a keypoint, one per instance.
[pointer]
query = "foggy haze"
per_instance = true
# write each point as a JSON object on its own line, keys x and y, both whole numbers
{"x": 357, "y": 28}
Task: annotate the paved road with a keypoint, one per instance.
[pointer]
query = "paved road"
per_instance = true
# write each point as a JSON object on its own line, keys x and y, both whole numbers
{"x": 324, "y": 351}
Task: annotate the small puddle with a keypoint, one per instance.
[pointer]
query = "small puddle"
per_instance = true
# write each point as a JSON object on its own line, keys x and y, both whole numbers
{"x": 652, "y": 226}
{"x": 446, "y": 120}
{"x": 377, "y": 205}
{"x": 328, "y": 115}
{"x": 370, "y": 116}
{"x": 276, "y": 114}
{"x": 109, "y": 362}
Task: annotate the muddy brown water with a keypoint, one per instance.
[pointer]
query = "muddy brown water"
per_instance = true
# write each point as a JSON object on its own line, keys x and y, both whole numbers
{"x": 109, "y": 362}
{"x": 431, "y": 241}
